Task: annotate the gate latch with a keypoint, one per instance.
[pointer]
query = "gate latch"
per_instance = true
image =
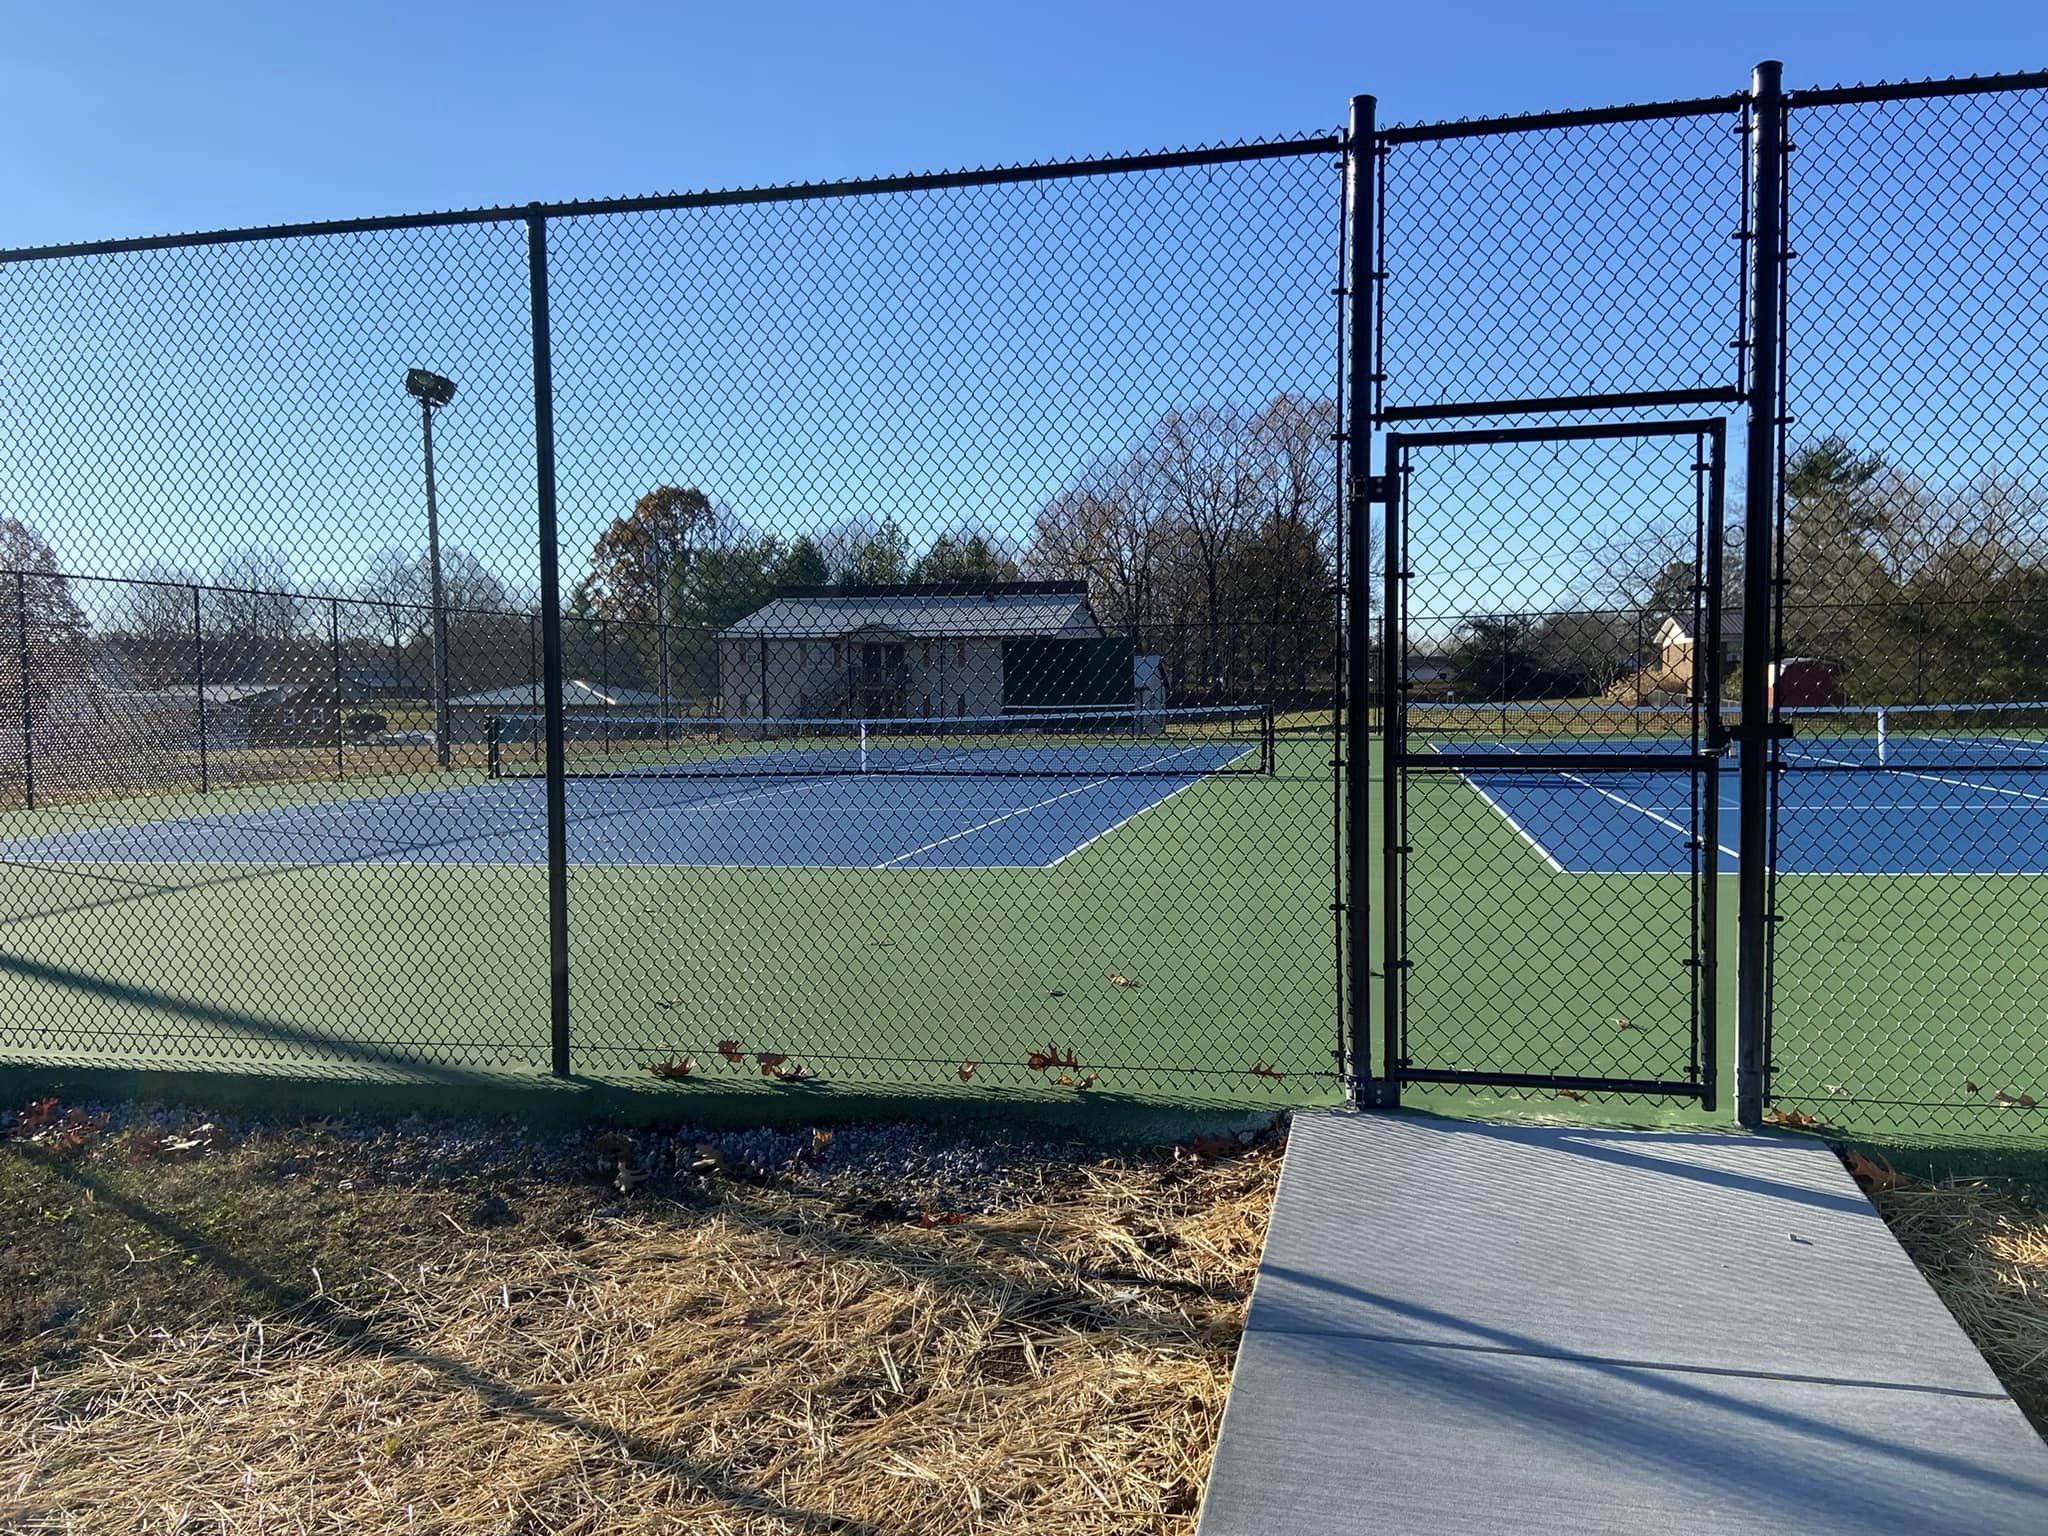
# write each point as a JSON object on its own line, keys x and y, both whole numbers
{"x": 1380, "y": 488}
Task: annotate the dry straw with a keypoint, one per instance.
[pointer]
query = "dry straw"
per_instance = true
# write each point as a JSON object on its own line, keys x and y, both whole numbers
{"x": 1987, "y": 1258}
{"x": 767, "y": 1363}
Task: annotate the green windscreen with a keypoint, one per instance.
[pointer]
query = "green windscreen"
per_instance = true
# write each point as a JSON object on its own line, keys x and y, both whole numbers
{"x": 1040, "y": 672}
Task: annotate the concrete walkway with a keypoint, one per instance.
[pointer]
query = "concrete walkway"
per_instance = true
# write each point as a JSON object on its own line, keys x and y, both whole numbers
{"x": 1463, "y": 1327}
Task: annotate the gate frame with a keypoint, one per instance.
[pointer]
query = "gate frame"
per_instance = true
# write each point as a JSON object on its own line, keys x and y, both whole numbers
{"x": 1702, "y": 767}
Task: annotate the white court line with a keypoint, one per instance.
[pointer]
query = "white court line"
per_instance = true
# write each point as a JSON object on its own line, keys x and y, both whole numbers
{"x": 996, "y": 821}
{"x": 1571, "y": 778}
{"x": 1527, "y": 836}
{"x": 1665, "y": 821}
{"x": 1980, "y": 744}
{"x": 1141, "y": 810}
{"x": 1932, "y": 778}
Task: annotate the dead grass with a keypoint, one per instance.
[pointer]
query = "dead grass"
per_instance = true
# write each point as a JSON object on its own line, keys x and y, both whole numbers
{"x": 1987, "y": 1258}
{"x": 753, "y": 1359}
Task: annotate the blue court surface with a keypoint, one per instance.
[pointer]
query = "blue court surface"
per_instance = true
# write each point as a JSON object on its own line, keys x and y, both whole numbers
{"x": 1922, "y": 813}
{"x": 866, "y": 821}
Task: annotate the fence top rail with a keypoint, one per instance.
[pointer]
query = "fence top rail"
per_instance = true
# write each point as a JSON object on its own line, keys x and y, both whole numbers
{"x": 793, "y": 192}
{"x": 1585, "y": 117}
{"x": 1917, "y": 90}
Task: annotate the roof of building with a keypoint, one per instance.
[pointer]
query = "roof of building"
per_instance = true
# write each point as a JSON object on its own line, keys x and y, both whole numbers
{"x": 576, "y": 694}
{"x": 934, "y": 609}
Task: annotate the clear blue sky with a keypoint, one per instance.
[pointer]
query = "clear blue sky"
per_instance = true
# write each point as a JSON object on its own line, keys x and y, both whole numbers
{"x": 980, "y": 352}
{"x": 125, "y": 118}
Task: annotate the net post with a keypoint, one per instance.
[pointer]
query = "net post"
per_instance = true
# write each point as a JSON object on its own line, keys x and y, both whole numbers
{"x": 551, "y": 640}
{"x": 1269, "y": 739}
{"x": 492, "y": 762}
{"x": 1883, "y": 737}
{"x": 863, "y": 745}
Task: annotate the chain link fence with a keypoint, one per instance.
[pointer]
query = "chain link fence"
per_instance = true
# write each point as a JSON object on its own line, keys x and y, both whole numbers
{"x": 951, "y": 632}
{"x": 884, "y": 633}
{"x": 1911, "y": 953}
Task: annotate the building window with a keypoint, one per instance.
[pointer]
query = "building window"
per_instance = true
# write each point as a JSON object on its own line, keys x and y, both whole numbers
{"x": 838, "y": 653}
{"x": 927, "y": 655}
{"x": 960, "y": 653}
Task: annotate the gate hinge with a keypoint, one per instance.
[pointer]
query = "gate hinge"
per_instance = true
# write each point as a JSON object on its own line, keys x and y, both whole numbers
{"x": 1380, "y": 488}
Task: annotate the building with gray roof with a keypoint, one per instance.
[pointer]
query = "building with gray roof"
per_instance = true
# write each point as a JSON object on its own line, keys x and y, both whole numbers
{"x": 929, "y": 650}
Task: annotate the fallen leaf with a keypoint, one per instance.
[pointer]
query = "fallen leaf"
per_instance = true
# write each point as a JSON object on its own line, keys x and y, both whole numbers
{"x": 769, "y": 1061}
{"x": 1970, "y": 1087}
{"x": 927, "y": 1217}
{"x": 668, "y": 1066}
{"x": 1622, "y": 1023}
{"x": 821, "y": 1140}
{"x": 966, "y": 1069}
{"x": 1118, "y": 979}
{"x": 796, "y": 1072}
{"x": 1261, "y": 1069}
{"x": 2006, "y": 1100}
{"x": 40, "y": 1112}
{"x": 1573, "y": 1094}
{"x": 1873, "y": 1173}
{"x": 1793, "y": 1119}
{"x": 705, "y": 1158}
{"x": 730, "y": 1050}
{"x": 1212, "y": 1146}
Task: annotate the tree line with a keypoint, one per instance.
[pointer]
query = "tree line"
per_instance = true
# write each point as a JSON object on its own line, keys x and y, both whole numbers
{"x": 1913, "y": 595}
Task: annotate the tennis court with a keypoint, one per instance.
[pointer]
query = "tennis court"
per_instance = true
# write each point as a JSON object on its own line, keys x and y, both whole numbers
{"x": 1897, "y": 790}
{"x": 817, "y": 794}
{"x": 1175, "y": 878}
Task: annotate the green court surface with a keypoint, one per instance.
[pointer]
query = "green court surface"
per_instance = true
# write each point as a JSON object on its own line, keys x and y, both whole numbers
{"x": 1212, "y": 906}
{"x": 1903, "y": 1006}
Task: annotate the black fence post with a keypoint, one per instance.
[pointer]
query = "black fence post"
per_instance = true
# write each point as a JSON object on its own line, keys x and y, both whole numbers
{"x": 550, "y": 639}
{"x": 1366, "y": 1087}
{"x": 1765, "y": 423}
{"x": 340, "y": 721}
{"x": 28, "y": 704}
{"x": 199, "y": 686}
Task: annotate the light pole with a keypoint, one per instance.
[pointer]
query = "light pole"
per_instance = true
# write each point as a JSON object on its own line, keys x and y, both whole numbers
{"x": 432, "y": 390}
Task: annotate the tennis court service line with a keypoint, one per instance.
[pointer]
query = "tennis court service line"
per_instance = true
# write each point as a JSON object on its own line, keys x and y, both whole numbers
{"x": 1036, "y": 805}
{"x": 1932, "y": 778}
{"x": 1664, "y": 821}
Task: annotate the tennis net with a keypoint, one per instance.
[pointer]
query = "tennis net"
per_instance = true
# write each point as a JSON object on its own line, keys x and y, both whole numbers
{"x": 1120, "y": 743}
{"x": 1913, "y": 736}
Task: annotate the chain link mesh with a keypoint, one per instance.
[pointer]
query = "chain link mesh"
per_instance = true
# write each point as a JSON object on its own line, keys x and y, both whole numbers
{"x": 1911, "y": 971}
{"x": 1025, "y": 483}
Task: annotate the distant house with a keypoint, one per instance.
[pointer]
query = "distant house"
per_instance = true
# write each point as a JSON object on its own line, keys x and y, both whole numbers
{"x": 1671, "y": 666}
{"x": 378, "y": 683}
{"x": 1424, "y": 667}
{"x": 927, "y": 650}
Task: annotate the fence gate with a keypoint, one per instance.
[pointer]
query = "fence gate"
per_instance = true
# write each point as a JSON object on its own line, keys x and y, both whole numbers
{"x": 1550, "y": 867}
